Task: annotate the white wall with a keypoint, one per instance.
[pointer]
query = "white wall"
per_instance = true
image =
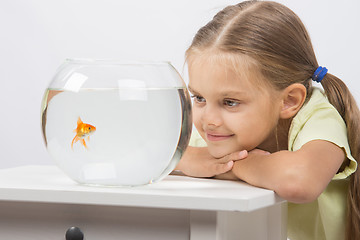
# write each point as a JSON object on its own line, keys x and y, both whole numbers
{"x": 37, "y": 35}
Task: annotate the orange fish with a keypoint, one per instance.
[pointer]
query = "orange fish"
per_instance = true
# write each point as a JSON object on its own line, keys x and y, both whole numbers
{"x": 82, "y": 131}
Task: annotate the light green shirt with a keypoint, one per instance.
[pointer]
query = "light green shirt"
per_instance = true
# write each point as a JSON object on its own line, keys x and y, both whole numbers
{"x": 323, "y": 219}
{"x": 196, "y": 140}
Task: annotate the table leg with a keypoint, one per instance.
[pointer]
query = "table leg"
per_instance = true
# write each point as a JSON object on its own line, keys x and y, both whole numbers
{"x": 203, "y": 225}
{"x": 266, "y": 223}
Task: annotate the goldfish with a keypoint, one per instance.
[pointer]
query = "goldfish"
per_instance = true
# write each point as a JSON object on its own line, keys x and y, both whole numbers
{"x": 82, "y": 131}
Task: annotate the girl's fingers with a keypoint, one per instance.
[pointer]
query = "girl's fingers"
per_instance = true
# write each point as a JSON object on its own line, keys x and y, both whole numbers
{"x": 223, "y": 167}
{"x": 226, "y": 163}
{"x": 242, "y": 154}
{"x": 259, "y": 151}
{"x": 234, "y": 156}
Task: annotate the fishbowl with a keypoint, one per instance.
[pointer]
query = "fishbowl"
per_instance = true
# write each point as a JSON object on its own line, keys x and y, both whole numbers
{"x": 116, "y": 123}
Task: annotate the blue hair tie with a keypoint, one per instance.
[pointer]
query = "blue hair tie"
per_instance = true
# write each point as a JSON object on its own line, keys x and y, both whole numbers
{"x": 319, "y": 74}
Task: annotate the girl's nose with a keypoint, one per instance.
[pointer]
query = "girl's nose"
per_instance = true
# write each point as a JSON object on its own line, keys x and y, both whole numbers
{"x": 211, "y": 116}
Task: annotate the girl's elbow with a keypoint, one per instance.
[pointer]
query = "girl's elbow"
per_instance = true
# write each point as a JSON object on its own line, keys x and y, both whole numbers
{"x": 298, "y": 191}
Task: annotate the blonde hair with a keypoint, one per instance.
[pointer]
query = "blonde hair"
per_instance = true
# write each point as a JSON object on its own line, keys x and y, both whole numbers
{"x": 277, "y": 40}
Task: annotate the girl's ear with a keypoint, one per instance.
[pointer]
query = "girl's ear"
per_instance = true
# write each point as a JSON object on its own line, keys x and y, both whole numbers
{"x": 293, "y": 99}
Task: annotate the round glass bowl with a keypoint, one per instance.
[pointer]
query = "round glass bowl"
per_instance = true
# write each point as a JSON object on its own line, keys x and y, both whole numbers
{"x": 116, "y": 123}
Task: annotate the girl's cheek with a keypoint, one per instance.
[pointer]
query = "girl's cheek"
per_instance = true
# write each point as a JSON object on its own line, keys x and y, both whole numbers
{"x": 196, "y": 118}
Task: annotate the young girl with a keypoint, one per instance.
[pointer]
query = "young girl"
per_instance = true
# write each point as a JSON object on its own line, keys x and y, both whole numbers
{"x": 250, "y": 73}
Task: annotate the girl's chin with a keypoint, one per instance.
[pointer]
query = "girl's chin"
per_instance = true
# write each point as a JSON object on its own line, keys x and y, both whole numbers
{"x": 219, "y": 153}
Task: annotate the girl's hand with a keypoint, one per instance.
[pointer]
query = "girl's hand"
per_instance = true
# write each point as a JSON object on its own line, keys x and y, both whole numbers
{"x": 197, "y": 162}
{"x": 230, "y": 174}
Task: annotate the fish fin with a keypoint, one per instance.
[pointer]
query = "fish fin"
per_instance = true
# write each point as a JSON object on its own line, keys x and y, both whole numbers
{"x": 88, "y": 138}
{"x": 79, "y": 121}
{"x": 84, "y": 143}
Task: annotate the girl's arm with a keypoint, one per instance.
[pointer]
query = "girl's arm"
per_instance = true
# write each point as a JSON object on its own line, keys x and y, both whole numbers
{"x": 299, "y": 176}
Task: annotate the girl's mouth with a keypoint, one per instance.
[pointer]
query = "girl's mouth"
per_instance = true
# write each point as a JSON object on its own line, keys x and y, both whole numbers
{"x": 217, "y": 137}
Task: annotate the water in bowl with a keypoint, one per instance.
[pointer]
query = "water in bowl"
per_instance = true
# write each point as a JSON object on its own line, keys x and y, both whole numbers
{"x": 127, "y": 137}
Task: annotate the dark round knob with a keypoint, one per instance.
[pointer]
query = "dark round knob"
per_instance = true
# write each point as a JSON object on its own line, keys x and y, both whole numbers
{"x": 74, "y": 233}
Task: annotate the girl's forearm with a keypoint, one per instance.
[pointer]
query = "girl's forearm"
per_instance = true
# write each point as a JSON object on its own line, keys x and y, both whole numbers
{"x": 299, "y": 176}
{"x": 281, "y": 172}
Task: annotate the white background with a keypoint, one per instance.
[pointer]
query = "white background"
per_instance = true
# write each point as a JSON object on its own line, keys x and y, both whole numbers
{"x": 37, "y": 35}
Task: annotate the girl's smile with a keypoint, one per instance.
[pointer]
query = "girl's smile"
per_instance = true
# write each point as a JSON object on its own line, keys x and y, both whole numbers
{"x": 214, "y": 137}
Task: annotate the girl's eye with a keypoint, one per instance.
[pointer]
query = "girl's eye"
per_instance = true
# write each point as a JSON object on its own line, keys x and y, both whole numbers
{"x": 198, "y": 99}
{"x": 231, "y": 103}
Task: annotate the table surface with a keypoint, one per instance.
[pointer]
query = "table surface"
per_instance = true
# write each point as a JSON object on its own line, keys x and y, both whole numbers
{"x": 49, "y": 184}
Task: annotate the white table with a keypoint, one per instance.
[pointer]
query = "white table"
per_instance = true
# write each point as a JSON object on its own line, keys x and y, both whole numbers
{"x": 40, "y": 202}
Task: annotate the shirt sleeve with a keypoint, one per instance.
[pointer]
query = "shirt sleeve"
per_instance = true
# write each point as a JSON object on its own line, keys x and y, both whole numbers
{"x": 196, "y": 140}
{"x": 325, "y": 124}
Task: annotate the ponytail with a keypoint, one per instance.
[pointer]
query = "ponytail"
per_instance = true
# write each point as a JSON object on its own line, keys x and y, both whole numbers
{"x": 340, "y": 97}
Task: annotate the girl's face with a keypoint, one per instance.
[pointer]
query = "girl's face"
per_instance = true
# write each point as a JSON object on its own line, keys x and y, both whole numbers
{"x": 230, "y": 111}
